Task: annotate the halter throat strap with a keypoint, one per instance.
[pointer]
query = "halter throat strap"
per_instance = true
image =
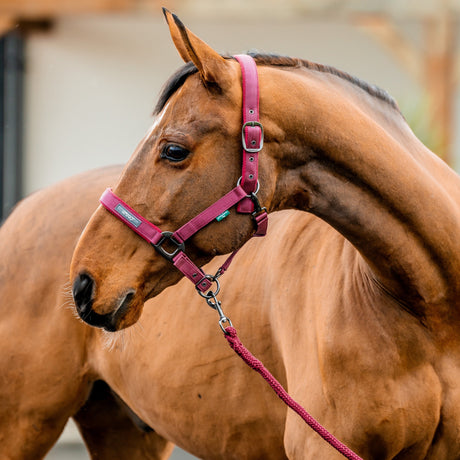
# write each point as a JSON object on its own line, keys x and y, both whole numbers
{"x": 244, "y": 194}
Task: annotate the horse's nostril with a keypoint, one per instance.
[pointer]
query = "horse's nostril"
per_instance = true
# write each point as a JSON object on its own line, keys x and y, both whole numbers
{"x": 83, "y": 292}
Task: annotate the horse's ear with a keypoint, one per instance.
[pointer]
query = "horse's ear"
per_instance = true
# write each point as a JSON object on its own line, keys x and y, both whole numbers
{"x": 212, "y": 67}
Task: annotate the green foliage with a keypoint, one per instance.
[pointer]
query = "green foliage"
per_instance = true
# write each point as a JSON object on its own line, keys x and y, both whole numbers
{"x": 417, "y": 116}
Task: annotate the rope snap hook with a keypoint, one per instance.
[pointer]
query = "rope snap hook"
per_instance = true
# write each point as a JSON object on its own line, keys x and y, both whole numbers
{"x": 224, "y": 321}
{"x": 211, "y": 300}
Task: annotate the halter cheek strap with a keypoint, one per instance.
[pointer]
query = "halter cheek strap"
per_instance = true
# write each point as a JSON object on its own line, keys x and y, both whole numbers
{"x": 244, "y": 194}
{"x": 252, "y": 134}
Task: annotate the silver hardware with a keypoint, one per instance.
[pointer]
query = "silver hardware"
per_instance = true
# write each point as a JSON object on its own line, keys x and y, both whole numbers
{"x": 211, "y": 300}
{"x": 222, "y": 320}
{"x": 257, "y": 188}
{"x": 243, "y": 136}
{"x": 217, "y": 305}
{"x": 210, "y": 294}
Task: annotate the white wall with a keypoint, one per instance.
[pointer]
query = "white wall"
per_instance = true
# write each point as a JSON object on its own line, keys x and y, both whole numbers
{"x": 92, "y": 82}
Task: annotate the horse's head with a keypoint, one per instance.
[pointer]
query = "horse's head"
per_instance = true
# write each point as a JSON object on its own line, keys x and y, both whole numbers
{"x": 190, "y": 158}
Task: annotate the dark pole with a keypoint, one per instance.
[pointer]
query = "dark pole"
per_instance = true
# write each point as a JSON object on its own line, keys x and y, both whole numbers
{"x": 11, "y": 120}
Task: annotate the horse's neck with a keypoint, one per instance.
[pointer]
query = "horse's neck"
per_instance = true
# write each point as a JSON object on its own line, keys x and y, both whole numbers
{"x": 367, "y": 175}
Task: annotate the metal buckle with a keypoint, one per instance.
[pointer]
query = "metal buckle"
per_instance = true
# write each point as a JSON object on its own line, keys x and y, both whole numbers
{"x": 169, "y": 236}
{"x": 243, "y": 136}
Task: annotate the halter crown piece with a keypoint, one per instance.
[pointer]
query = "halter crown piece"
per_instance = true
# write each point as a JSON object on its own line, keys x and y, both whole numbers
{"x": 244, "y": 194}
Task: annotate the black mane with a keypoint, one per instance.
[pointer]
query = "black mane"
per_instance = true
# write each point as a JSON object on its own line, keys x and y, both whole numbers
{"x": 179, "y": 77}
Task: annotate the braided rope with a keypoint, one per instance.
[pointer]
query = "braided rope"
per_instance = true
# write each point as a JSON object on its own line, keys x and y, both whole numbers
{"x": 254, "y": 363}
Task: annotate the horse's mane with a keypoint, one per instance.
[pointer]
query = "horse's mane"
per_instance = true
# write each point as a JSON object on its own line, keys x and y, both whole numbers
{"x": 179, "y": 77}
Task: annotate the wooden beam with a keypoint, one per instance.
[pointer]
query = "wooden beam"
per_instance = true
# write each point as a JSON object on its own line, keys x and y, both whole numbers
{"x": 439, "y": 72}
{"x": 6, "y": 24}
{"x": 52, "y": 8}
{"x": 434, "y": 67}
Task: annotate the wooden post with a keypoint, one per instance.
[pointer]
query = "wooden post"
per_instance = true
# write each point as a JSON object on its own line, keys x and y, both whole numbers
{"x": 386, "y": 33}
{"x": 433, "y": 66}
{"x": 439, "y": 78}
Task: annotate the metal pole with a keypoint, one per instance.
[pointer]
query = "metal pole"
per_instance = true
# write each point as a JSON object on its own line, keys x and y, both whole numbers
{"x": 11, "y": 106}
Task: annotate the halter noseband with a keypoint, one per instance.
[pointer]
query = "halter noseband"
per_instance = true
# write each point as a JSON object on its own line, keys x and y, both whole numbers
{"x": 244, "y": 194}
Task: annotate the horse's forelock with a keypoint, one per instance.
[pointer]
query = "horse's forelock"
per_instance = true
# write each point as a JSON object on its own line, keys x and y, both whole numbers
{"x": 174, "y": 82}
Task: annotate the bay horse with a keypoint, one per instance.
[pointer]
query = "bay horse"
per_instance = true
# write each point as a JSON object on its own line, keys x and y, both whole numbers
{"x": 352, "y": 304}
{"x": 54, "y": 366}
{"x": 372, "y": 344}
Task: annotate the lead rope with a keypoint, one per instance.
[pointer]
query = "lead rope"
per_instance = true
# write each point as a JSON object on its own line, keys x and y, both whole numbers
{"x": 236, "y": 344}
{"x": 254, "y": 363}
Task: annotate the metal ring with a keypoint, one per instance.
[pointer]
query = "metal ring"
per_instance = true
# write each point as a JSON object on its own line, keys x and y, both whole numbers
{"x": 169, "y": 236}
{"x": 223, "y": 320}
{"x": 238, "y": 183}
{"x": 210, "y": 294}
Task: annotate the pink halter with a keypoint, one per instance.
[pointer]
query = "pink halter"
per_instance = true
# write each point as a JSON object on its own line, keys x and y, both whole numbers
{"x": 244, "y": 194}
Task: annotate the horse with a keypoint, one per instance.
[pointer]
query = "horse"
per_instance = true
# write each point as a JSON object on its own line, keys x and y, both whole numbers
{"x": 350, "y": 299}
{"x": 372, "y": 346}
{"x": 54, "y": 366}
{"x": 46, "y": 376}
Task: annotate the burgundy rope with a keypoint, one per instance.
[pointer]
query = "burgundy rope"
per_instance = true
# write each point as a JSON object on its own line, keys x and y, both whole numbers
{"x": 254, "y": 363}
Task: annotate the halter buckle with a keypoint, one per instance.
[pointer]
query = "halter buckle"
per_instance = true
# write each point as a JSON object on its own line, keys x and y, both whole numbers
{"x": 243, "y": 136}
{"x": 170, "y": 238}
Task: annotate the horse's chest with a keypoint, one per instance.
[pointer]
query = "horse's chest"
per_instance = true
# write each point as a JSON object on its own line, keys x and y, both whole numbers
{"x": 211, "y": 405}
{"x": 401, "y": 411}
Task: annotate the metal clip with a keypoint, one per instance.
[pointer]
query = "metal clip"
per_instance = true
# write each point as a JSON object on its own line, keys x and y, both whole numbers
{"x": 258, "y": 208}
{"x": 217, "y": 305}
{"x": 211, "y": 300}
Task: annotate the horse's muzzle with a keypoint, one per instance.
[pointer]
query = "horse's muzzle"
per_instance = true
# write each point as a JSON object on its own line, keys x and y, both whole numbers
{"x": 82, "y": 292}
{"x": 83, "y": 295}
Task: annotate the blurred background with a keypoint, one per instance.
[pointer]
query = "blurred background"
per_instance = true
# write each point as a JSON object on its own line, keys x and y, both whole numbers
{"x": 79, "y": 78}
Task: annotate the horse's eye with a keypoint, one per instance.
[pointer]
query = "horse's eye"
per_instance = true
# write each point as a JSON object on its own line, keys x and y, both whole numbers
{"x": 173, "y": 152}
